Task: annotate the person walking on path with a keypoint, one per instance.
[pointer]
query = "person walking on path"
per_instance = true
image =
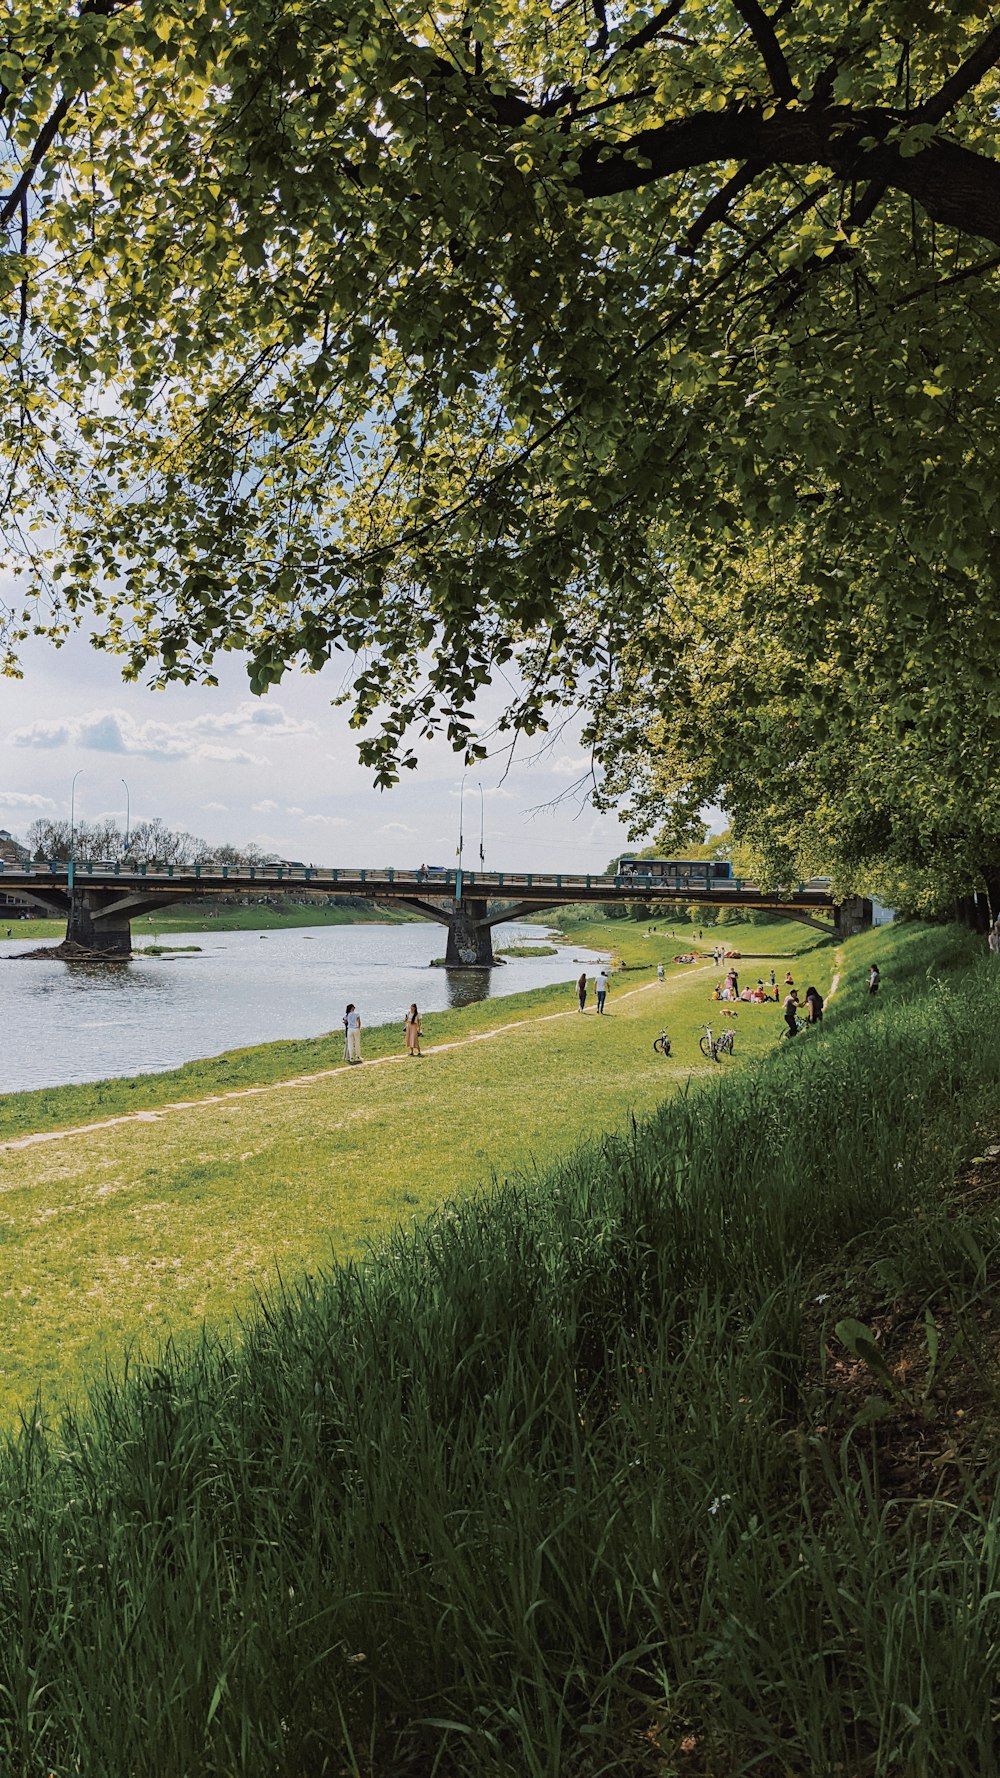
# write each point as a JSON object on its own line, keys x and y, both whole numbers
{"x": 874, "y": 979}
{"x": 814, "y": 1006}
{"x": 412, "y": 1025}
{"x": 581, "y": 990}
{"x": 352, "y": 1028}
{"x": 790, "y": 1012}
{"x": 601, "y": 985}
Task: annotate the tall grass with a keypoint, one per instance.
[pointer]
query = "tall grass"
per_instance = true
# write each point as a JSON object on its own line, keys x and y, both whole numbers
{"x": 549, "y": 1486}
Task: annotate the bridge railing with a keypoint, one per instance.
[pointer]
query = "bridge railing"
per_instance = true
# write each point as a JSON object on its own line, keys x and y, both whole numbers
{"x": 428, "y": 880}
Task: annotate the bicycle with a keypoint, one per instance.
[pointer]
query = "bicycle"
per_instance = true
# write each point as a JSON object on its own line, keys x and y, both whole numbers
{"x": 714, "y": 1047}
{"x": 661, "y": 1044}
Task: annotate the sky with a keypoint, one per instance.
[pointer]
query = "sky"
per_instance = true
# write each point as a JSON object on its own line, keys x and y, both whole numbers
{"x": 281, "y": 770}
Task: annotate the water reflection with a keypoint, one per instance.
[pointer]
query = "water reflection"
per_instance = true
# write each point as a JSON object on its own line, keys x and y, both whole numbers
{"x": 468, "y": 985}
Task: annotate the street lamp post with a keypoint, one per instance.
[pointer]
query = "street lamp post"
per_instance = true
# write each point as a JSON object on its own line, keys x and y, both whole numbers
{"x": 72, "y": 834}
{"x": 127, "y": 812}
{"x": 461, "y": 840}
{"x": 482, "y": 828}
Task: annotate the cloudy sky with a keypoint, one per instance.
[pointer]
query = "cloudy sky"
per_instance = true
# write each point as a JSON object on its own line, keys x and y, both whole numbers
{"x": 281, "y": 770}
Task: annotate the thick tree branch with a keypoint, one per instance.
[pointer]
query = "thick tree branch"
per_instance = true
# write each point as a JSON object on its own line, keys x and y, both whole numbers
{"x": 952, "y": 184}
{"x": 763, "y": 33}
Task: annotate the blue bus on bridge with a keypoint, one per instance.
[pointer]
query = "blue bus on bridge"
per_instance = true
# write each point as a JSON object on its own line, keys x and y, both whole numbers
{"x": 680, "y": 873}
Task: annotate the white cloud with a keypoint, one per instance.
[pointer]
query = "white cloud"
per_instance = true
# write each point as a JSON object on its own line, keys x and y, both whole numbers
{"x": 396, "y": 827}
{"x": 267, "y": 807}
{"x": 500, "y": 793}
{"x": 570, "y": 765}
{"x": 215, "y": 808}
{"x": 203, "y": 737}
{"x": 325, "y": 821}
{"x": 18, "y": 799}
{"x": 42, "y": 734}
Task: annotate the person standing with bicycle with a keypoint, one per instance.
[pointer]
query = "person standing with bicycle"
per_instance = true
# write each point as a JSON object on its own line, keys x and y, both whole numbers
{"x": 790, "y": 1012}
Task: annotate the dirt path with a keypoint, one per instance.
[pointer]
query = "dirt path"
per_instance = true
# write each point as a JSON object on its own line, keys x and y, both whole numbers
{"x": 304, "y": 1080}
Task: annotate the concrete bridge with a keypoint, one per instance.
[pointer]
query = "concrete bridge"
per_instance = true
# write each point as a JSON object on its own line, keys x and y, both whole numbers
{"x": 99, "y": 900}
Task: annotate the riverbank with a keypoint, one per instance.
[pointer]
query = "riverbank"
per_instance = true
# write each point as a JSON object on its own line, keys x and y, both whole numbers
{"x": 627, "y": 945}
{"x": 200, "y": 917}
{"x": 655, "y": 1461}
{"x": 145, "y": 1229}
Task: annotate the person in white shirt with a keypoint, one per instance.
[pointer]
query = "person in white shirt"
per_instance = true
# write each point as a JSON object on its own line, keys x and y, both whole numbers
{"x": 601, "y": 986}
{"x": 352, "y": 1028}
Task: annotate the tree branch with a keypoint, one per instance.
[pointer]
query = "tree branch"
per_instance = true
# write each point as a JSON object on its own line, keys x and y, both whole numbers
{"x": 963, "y": 80}
{"x": 718, "y": 206}
{"x": 952, "y": 184}
{"x": 648, "y": 31}
{"x": 763, "y": 33}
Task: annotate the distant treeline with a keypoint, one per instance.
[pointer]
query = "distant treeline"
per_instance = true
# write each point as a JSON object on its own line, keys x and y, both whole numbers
{"x": 146, "y": 841}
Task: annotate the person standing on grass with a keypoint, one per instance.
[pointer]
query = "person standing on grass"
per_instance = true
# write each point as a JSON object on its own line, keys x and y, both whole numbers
{"x": 790, "y": 1013}
{"x": 660, "y": 972}
{"x": 581, "y": 990}
{"x": 412, "y": 1023}
{"x": 874, "y": 979}
{"x": 814, "y": 1006}
{"x": 601, "y": 986}
{"x": 352, "y": 1030}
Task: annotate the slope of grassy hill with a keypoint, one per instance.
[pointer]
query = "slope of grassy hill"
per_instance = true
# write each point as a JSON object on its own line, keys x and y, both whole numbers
{"x": 676, "y": 1458}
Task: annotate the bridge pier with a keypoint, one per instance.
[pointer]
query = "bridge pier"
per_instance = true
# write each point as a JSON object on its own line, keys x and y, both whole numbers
{"x": 110, "y": 935}
{"x": 852, "y": 916}
{"x": 470, "y": 938}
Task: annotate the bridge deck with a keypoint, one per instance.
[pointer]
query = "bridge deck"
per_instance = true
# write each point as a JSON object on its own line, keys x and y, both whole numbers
{"x": 175, "y": 882}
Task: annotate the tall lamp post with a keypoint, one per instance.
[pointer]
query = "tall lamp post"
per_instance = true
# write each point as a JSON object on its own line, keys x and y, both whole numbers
{"x": 127, "y": 811}
{"x": 461, "y": 839}
{"x": 72, "y": 834}
{"x": 482, "y": 828}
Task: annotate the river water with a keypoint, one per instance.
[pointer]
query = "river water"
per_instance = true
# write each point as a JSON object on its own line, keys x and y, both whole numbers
{"x": 67, "y": 1022}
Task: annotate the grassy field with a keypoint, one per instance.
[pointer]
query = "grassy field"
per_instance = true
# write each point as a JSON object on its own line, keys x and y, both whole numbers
{"x": 149, "y": 1227}
{"x": 185, "y": 918}
{"x": 675, "y": 1460}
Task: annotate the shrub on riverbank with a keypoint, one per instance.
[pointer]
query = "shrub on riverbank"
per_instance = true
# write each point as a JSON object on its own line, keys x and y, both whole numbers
{"x": 570, "y": 1481}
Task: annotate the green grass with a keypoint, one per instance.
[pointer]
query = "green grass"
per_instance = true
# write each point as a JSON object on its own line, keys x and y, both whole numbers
{"x": 188, "y": 917}
{"x": 52, "y": 1108}
{"x": 153, "y": 1227}
{"x": 561, "y": 1484}
{"x": 639, "y": 943}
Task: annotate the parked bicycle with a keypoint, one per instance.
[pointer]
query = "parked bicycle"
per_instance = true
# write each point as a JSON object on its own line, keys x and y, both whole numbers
{"x": 661, "y": 1044}
{"x": 714, "y": 1047}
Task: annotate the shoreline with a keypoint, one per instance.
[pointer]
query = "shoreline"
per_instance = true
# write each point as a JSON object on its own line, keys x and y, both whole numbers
{"x": 36, "y": 1110}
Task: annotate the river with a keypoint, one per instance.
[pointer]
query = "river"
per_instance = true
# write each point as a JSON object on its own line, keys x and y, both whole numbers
{"x": 69, "y": 1022}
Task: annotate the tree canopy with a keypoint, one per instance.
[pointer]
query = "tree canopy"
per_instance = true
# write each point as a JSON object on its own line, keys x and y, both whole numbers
{"x": 645, "y": 353}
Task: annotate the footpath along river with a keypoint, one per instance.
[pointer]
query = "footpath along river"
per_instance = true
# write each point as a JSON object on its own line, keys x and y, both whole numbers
{"x": 71, "y": 1022}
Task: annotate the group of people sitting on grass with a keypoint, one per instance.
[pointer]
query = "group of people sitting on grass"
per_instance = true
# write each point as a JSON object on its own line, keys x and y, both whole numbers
{"x": 730, "y": 990}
